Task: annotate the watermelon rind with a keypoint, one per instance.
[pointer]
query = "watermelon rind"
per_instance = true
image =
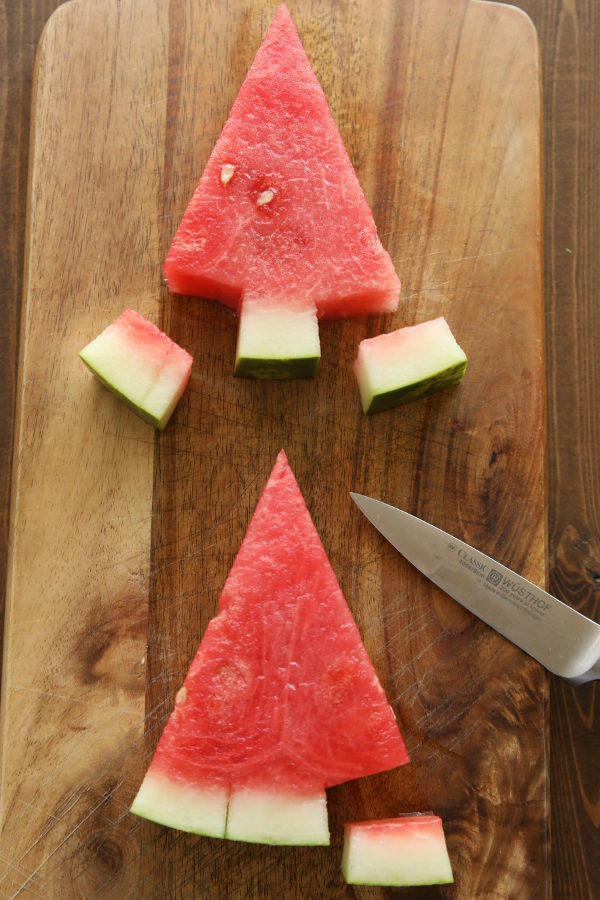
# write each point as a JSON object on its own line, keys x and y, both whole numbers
{"x": 141, "y": 366}
{"x": 407, "y": 364}
{"x": 276, "y": 368}
{"x": 249, "y": 814}
{"x": 273, "y": 817}
{"x": 379, "y": 402}
{"x": 403, "y": 852}
{"x": 277, "y": 340}
{"x": 199, "y": 810}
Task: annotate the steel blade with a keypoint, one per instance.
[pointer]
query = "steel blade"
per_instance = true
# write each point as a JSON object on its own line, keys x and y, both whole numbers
{"x": 564, "y": 641}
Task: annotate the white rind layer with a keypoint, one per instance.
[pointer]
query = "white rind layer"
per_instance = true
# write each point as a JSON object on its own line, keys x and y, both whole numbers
{"x": 240, "y": 814}
{"x": 274, "y": 332}
{"x": 263, "y": 817}
{"x": 395, "y": 857}
{"x": 183, "y": 806}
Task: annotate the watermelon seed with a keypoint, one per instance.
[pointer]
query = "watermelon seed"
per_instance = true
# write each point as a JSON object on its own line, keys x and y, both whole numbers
{"x": 265, "y": 197}
{"x": 227, "y": 173}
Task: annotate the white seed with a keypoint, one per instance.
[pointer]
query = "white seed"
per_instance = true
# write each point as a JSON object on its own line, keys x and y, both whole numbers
{"x": 180, "y": 696}
{"x": 227, "y": 173}
{"x": 265, "y": 197}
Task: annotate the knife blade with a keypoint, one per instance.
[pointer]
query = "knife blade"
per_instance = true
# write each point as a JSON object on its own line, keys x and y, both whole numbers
{"x": 563, "y": 640}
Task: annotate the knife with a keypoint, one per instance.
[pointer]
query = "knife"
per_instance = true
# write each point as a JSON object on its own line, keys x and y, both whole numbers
{"x": 560, "y": 638}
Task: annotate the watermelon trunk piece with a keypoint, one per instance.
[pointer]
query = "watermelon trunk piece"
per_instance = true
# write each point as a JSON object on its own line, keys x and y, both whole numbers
{"x": 279, "y": 216}
{"x": 264, "y": 348}
{"x": 281, "y": 699}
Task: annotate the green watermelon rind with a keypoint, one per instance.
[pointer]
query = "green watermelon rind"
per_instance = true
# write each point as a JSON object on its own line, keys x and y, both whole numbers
{"x": 159, "y": 422}
{"x": 286, "y": 367}
{"x": 418, "y": 389}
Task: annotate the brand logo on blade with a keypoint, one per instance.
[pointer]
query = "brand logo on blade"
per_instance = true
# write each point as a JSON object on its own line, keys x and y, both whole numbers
{"x": 470, "y": 562}
{"x": 508, "y": 588}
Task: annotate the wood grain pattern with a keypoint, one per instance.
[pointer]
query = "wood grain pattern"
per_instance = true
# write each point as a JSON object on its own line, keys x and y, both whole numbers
{"x": 446, "y": 157}
{"x": 569, "y": 36}
{"x": 570, "y": 46}
{"x": 19, "y": 35}
{"x": 76, "y": 634}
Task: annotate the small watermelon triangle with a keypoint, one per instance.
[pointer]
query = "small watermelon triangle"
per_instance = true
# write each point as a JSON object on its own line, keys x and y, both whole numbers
{"x": 281, "y": 700}
{"x": 279, "y": 227}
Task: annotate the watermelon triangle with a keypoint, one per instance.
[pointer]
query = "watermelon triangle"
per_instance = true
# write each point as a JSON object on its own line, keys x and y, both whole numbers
{"x": 281, "y": 700}
{"x": 279, "y": 215}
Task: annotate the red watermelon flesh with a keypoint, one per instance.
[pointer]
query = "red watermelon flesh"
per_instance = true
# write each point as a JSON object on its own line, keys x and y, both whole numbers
{"x": 315, "y": 238}
{"x": 281, "y": 697}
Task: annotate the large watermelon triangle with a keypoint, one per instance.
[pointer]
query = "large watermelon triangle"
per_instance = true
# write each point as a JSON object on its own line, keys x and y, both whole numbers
{"x": 315, "y": 241}
{"x": 281, "y": 699}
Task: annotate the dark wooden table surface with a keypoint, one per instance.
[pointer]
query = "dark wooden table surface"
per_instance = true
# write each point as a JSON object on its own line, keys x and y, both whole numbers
{"x": 569, "y": 33}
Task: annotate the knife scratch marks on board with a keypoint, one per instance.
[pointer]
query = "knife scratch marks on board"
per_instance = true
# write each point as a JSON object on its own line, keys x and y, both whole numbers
{"x": 425, "y": 290}
{"x": 408, "y": 426}
{"x": 425, "y": 618}
{"x": 482, "y": 255}
{"x": 67, "y": 837}
{"x": 464, "y": 734}
{"x": 441, "y": 636}
{"x": 409, "y": 664}
{"x": 124, "y": 749}
{"x": 420, "y": 623}
{"x": 436, "y": 754}
{"x": 31, "y": 891}
{"x": 446, "y": 714}
{"x": 419, "y": 256}
{"x": 84, "y": 698}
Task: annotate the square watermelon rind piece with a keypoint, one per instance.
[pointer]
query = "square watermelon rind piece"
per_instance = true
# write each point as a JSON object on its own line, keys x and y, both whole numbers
{"x": 141, "y": 366}
{"x": 407, "y": 851}
{"x": 407, "y": 364}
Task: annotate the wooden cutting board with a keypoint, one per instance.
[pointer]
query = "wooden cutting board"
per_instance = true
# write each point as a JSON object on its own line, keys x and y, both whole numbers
{"x": 122, "y": 537}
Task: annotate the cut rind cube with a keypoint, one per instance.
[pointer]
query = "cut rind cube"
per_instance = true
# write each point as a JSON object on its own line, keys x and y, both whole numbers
{"x": 141, "y": 365}
{"x": 408, "y": 850}
{"x": 408, "y": 363}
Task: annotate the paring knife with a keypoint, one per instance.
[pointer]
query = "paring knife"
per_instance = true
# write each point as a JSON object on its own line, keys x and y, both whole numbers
{"x": 564, "y": 641}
